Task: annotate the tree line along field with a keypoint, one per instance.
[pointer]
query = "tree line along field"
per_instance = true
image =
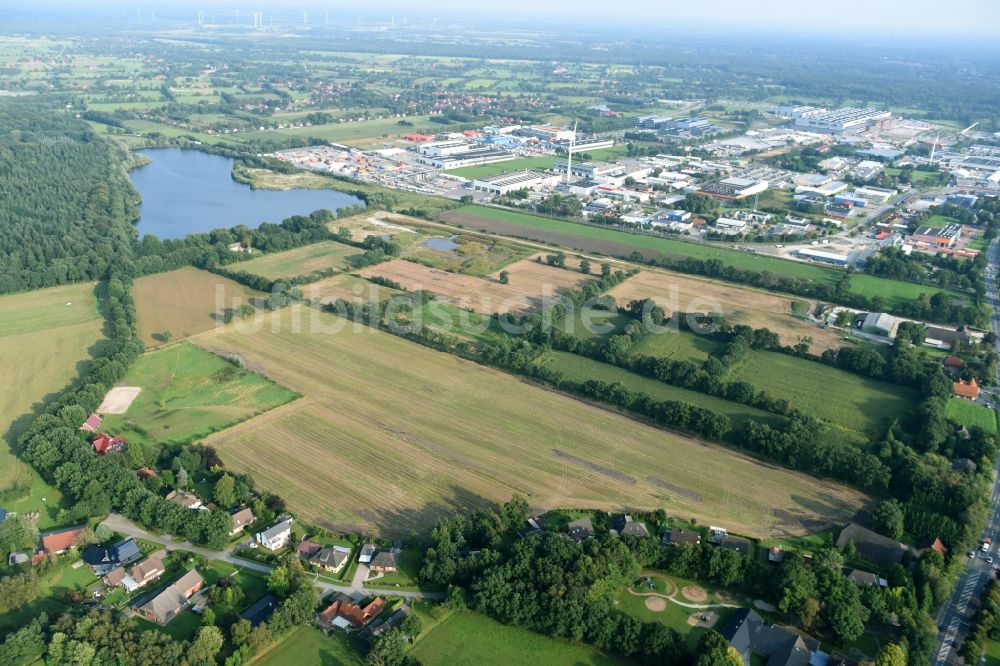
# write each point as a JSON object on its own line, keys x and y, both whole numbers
{"x": 301, "y": 260}
{"x": 390, "y": 436}
{"x": 47, "y": 337}
{"x": 621, "y": 244}
{"x": 189, "y": 393}
{"x": 184, "y": 302}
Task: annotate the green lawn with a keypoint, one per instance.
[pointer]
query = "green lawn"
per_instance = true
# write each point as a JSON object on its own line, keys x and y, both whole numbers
{"x": 300, "y": 261}
{"x": 993, "y": 653}
{"x": 859, "y": 406}
{"x": 468, "y": 639}
{"x": 620, "y": 243}
{"x": 189, "y": 393}
{"x": 580, "y": 369}
{"x": 971, "y": 414}
{"x": 678, "y": 345}
{"x": 308, "y": 645}
{"x": 593, "y": 324}
{"x": 446, "y": 318}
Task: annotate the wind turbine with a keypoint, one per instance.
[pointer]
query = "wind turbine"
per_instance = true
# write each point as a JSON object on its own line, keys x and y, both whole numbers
{"x": 569, "y": 155}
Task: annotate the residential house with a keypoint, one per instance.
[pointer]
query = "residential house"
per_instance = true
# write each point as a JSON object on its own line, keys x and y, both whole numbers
{"x": 874, "y": 547}
{"x": 332, "y": 558}
{"x": 371, "y": 633}
{"x": 185, "y": 499}
{"x": 105, "y": 443}
{"x": 964, "y": 465}
{"x": 385, "y": 562}
{"x": 678, "y": 536}
{"x": 866, "y": 579}
{"x": 261, "y": 610}
{"x": 932, "y": 544}
{"x": 625, "y": 526}
{"x": 169, "y": 603}
{"x": 367, "y": 553}
{"x": 92, "y": 423}
{"x": 59, "y": 541}
{"x": 749, "y": 634}
{"x": 775, "y": 554}
{"x": 534, "y": 526}
{"x": 277, "y": 536}
{"x": 107, "y": 558}
{"x": 345, "y": 613}
{"x": 138, "y": 576}
{"x": 146, "y": 472}
{"x": 580, "y": 529}
{"x": 967, "y": 390}
{"x": 307, "y": 549}
{"x": 953, "y": 365}
{"x": 241, "y": 518}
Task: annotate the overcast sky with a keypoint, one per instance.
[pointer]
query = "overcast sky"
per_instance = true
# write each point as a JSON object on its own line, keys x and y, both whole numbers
{"x": 980, "y": 17}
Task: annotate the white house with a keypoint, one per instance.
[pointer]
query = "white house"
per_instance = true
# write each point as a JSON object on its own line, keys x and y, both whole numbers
{"x": 277, "y": 536}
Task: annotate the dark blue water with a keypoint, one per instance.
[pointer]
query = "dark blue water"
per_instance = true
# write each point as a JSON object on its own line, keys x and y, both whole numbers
{"x": 188, "y": 191}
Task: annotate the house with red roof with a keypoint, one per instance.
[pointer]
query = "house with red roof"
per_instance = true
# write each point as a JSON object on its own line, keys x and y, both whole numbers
{"x": 968, "y": 390}
{"x": 92, "y": 423}
{"x": 58, "y": 542}
{"x": 105, "y": 443}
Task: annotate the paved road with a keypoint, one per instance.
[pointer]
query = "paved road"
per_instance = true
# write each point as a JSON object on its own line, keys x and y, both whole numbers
{"x": 123, "y": 525}
{"x": 954, "y": 617}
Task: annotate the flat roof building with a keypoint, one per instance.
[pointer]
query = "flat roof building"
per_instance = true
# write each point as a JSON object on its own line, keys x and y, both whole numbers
{"x": 842, "y": 120}
{"x": 732, "y": 189}
{"x": 826, "y": 257}
{"x": 512, "y": 181}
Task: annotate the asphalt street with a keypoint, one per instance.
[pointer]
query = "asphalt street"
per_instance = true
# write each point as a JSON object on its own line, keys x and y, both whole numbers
{"x": 954, "y": 617}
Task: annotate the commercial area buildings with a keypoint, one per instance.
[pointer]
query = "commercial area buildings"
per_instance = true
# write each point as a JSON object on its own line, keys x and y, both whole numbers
{"x": 510, "y": 182}
{"x": 841, "y": 121}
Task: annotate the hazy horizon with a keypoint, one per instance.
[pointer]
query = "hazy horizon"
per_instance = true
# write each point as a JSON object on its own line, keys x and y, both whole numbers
{"x": 847, "y": 18}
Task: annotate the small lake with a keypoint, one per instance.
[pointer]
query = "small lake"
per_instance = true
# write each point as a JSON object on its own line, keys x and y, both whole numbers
{"x": 188, "y": 191}
{"x": 441, "y": 243}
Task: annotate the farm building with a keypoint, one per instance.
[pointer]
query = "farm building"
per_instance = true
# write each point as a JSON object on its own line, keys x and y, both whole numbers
{"x": 880, "y": 323}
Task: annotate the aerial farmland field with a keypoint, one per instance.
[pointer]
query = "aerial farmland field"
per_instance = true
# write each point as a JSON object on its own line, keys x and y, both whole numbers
{"x": 390, "y": 436}
{"x": 189, "y": 393}
{"x": 676, "y": 292}
{"x": 184, "y": 302}
{"x": 47, "y": 337}
{"x": 300, "y": 261}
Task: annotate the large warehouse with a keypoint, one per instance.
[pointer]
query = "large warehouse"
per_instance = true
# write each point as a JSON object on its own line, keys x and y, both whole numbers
{"x": 513, "y": 181}
{"x": 732, "y": 189}
{"x": 841, "y": 120}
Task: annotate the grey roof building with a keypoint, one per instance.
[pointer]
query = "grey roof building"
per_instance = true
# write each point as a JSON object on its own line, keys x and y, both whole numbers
{"x": 750, "y": 634}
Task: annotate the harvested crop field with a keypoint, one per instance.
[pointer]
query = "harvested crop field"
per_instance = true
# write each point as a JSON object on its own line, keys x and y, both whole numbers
{"x": 300, "y": 261}
{"x": 760, "y": 309}
{"x": 390, "y": 436}
{"x": 347, "y": 287}
{"x": 529, "y": 283}
{"x": 184, "y": 302}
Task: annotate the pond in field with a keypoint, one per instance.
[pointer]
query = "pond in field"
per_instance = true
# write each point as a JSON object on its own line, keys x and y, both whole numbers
{"x": 441, "y": 243}
{"x": 188, "y": 191}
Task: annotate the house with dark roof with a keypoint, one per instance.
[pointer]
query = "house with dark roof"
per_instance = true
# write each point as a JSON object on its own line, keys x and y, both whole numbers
{"x": 580, "y": 529}
{"x": 751, "y": 635}
{"x": 306, "y": 549}
{"x": 185, "y": 499}
{"x": 866, "y": 579}
{"x": 169, "y": 603}
{"x": 366, "y": 554}
{"x": 385, "y": 561}
{"x": 874, "y": 547}
{"x": 964, "y": 465}
{"x": 107, "y": 558}
{"x": 623, "y": 525}
{"x": 775, "y": 554}
{"x": 678, "y": 536}
{"x": 261, "y": 610}
{"x": 241, "y": 518}
{"x": 370, "y": 634}
{"x": 332, "y": 558}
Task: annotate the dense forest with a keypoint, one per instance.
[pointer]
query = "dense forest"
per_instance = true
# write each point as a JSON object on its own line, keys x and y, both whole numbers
{"x": 66, "y": 204}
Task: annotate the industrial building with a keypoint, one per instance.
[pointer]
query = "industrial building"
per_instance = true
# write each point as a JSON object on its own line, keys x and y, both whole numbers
{"x": 732, "y": 189}
{"x": 945, "y": 237}
{"x": 587, "y": 170}
{"x": 583, "y": 144}
{"x": 880, "y": 323}
{"x": 823, "y": 256}
{"x": 730, "y": 226}
{"x": 546, "y": 133}
{"x": 515, "y": 180}
{"x": 841, "y": 121}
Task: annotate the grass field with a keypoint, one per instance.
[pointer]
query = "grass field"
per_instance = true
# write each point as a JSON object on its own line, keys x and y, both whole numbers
{"x": 300, "y": 261}
{"x": 678, "y": 345}
{"x": 580, "y": 369}
{"x": 347, "y": 287}
{"x": 675, "y": 292}
{"x": 469, "y": 639}
{"x": 487, "y": 170}
{"x": 971, "y": 414}
{"x": 939, "y": 221}
{"x": 391, "y": 435}
{"x": 46, "y": 341}
{"x": 621, "y": 244}
{"x": 188, "y": 393}
{"x": 184, "y": 302}
{"x": 308, "y": 645}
